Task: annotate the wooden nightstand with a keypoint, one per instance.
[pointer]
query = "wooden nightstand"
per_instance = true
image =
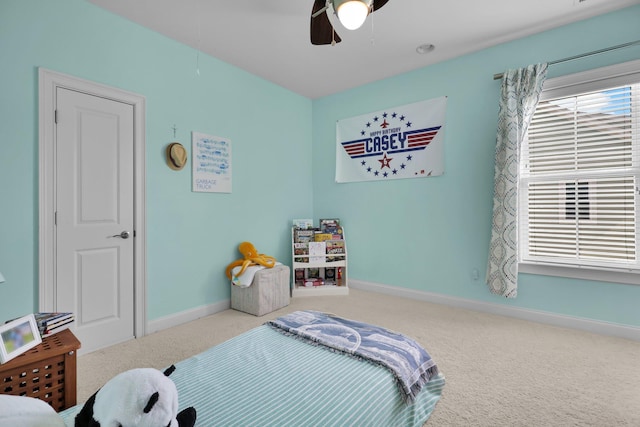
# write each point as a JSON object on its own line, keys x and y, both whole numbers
{"x": 46, "y": 372}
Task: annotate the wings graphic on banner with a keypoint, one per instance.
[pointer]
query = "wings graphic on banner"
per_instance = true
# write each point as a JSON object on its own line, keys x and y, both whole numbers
{"x": 388, "y": 145}
{"x": 415, "y": 140}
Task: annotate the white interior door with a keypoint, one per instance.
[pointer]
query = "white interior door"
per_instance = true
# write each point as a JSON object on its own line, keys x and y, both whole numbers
{"x": 94, "y": 219}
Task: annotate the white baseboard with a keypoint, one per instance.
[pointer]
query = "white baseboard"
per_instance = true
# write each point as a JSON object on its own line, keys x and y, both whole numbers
{"x": 589, "y": 325}
{"x": 186, "y": 316}
{"x": 595, "y": 326}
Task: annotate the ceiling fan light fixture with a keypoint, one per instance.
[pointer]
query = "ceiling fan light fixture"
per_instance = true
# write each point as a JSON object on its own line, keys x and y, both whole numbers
{"x": 352, "y": 13}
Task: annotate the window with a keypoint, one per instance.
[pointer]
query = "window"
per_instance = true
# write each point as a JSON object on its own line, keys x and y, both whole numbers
{"x": 580, "y": 173}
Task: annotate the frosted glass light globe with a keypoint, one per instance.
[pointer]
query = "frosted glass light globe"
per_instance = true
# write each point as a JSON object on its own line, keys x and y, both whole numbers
{"x": 352, "y": 14}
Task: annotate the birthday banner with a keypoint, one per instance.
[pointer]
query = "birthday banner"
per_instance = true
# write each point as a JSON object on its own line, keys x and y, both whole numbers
{"x": 396, "y": 143}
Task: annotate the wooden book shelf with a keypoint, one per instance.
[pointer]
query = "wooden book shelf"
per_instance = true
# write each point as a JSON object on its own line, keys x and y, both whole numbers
{"x": 46, "y": 372}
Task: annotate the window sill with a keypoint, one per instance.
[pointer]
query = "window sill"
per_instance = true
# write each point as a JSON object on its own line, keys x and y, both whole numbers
{"x": 585, "y": 273}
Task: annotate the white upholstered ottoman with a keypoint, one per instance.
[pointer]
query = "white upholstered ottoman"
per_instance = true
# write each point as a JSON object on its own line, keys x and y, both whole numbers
{"x": 268, "y": 292}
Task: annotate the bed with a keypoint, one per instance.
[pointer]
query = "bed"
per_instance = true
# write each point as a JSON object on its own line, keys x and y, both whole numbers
{"x": 270, "y": 377}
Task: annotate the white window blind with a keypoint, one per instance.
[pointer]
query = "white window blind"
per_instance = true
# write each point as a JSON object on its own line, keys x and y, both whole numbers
{"x": 579, "y": 177}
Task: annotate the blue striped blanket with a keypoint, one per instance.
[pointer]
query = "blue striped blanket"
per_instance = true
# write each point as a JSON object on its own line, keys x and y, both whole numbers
{"x": 409, "y": 362}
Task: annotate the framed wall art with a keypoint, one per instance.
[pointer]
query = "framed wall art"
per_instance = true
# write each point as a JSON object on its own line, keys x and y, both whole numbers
{"x": 211, "y": 163}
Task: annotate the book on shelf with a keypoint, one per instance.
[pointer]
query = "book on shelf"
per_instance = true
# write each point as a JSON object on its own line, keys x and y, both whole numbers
{"x": 317, "y": 251}
{"x": 331, "y": 226}
{"x": 56, "y": 329}
{"x": 51, "y": 318}
{"x": 48, "y": 319}
{"x": 321, "y": 237}
{"x": 329, "y": 223}
{"x": 301, "y": 249}
{"x": 303, "y": 235}
{"x": 329, "y": 273}
{"x": 50, "y": 323}
{"x": 313, "y": 273}
{"x": 303, "y": 223}
{"x": 335, "y": 247}
{"x": 314, "y": 282}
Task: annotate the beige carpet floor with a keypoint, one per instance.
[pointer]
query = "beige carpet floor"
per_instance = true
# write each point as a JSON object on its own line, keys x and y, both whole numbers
{"x": 500, "y": 371}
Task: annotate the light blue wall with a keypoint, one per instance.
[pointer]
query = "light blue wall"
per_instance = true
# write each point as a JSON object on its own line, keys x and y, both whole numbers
{"x": 431, "y": 234}
{"x": 191, "y": 236}
{"x": 427, "y": 234}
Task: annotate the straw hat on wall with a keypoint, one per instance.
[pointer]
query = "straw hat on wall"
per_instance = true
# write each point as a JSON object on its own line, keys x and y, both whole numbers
{"x": 176, "y": 156}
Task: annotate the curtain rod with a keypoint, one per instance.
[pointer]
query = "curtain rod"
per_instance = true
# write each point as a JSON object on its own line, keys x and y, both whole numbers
{"x": 583, "y": 55}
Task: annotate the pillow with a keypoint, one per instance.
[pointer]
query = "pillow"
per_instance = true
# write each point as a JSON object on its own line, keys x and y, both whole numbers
{"x": 27, "y": 412}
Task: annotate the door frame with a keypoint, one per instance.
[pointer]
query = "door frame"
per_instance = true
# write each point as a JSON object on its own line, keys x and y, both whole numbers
{"x": 49, "y": 82}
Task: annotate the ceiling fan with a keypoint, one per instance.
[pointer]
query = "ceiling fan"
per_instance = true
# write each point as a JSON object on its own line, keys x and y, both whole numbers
{"x": 351, "y": 14}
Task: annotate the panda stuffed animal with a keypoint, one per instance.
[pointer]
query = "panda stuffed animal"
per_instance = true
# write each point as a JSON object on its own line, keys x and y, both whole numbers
{"x": 143, "y": 397}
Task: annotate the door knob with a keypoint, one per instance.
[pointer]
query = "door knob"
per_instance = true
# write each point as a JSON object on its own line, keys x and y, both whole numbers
{"x": 123, "y": 235}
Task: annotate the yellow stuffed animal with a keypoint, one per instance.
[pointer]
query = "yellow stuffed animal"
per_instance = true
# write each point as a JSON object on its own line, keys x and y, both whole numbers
{"x": 251, "y": 257}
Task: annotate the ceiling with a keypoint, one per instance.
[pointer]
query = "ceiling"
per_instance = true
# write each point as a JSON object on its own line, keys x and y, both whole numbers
{"x": 270, "y": 38}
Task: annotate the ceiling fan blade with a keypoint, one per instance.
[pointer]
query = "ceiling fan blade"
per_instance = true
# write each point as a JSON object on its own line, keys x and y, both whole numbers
{"x": 315, "y": 12}
{"x": 321, "y": 30}
{"x": 377, "y": 4}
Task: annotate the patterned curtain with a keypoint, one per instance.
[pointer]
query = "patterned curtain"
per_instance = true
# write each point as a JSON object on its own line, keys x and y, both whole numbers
{"x": 520, "y": 93}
